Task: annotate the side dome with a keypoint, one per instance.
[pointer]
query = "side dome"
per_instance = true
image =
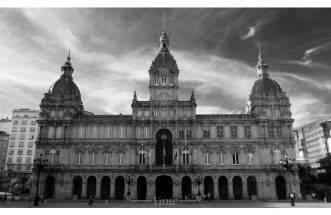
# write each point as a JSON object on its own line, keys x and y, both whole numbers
{"x": 266, "y": 85}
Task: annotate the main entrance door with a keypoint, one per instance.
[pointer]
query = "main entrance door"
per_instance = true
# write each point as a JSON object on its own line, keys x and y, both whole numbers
{"x": 163, "y": 149}
{"x": 163, "y": 187}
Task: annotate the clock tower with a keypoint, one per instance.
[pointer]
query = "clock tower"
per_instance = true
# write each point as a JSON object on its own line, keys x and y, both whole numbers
{"x": 163, "y": 74}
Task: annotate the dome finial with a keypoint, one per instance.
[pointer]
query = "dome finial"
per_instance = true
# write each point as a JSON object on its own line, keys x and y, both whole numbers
{"x": 69, "y": 58}
{"x": 164, "y": 39}
{"x": 262, "y": 67}
{"x": 67, "y": 67}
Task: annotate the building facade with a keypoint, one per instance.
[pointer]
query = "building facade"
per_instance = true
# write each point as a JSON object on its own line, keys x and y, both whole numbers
{"x": 4, "y": 140}
{"x": 316, "y": 142}
{"x": 23, "y": 135}
{"x": 164, "y": 147}
{"x": 5, "y": 125}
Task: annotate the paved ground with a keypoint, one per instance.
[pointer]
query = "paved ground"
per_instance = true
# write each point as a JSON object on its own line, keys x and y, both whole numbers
{"x": 124, "y": 204}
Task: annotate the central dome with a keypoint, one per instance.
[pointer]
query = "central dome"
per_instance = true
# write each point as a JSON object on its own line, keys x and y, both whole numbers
{"x": 65, "y": 86}
{"x": 164, "y": 58}
{"x": 266, "y": 85}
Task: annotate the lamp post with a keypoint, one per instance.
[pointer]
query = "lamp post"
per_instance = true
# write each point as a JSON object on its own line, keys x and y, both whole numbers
{"x": 39, "y": 164}
{"x": 199, "y": 181}
{"x": 23, "y": 180}
{"x": 129, "y": 181}
{"x": 288, "y": 164}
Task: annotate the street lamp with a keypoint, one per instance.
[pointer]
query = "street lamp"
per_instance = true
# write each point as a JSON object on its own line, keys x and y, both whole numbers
{"x": 129, "y": 181}
{"x": 23, "y": 180}
{"x": 39, "y": 164}
{"x": 288, "y": 164}
{"x": 199, "y": 181}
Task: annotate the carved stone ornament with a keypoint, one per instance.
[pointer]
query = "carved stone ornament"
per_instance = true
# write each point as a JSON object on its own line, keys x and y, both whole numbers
{"x": 93, "y": 148}
{"x": 235, "y": 149}
{"x": 121, "y": 149}
{"x": 80, "y": 149}
{"x": 207, "y": 149}
{"x": 221, "y": 149}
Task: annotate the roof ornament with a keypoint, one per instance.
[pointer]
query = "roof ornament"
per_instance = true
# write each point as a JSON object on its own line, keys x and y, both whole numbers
{"x": 164, "y": 39}
{"x": 67, "y": 67}
{"x": 134, "y": 96}
{"x": 262, "y": 67}
{"x": 192, "y": 96}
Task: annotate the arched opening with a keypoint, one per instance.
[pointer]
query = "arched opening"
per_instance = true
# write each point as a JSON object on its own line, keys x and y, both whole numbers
{"x": 163, "y": 187}
{"x": 105, "y": 187}
{"x": 163, "y": 149}
{"x": 119, "y": 188}
{"x": 91, "y": 186}
{"x": 223, "y": 188}
{"x": 49, "y": 186}
{"x": 251, "y": 187}
{"x": 186, "y": 186}
{"x": 237, "y": 188}
{"x": 208, "y": 186}
{"x": 141, "y": 188}
{"x": 280, "y": 187}
{"x": 77, "y": 186}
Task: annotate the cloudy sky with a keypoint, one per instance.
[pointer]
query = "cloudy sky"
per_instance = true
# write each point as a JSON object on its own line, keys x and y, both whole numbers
{"x": 216, "y": 51}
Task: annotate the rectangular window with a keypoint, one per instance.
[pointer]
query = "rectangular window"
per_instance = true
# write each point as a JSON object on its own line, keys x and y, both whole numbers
{"x": 33, "y": 122}
{"x": 10, "y": 160}
{"x": 31, "y": 136}
{"x": 122, "y": 132}
{"x": 271, "y": 131}
{"x": 13, "y": 136}
{"x": 120, "y": 159}
{"x": 206, "y": 133}
{"x": 248, "y": 131}
{"x": 32, "y": 129}
{"x": 30, "y": 144}
{"x": 28, "y": 160}
{"x": 29, "y": 152}
{"x": 21, "y": 144}
{"x": 12, "y": 144}
{"x": 235, "y": 158}
{"x": 207, "y": 158}
{"x": 22, "y": 136}
{"x": 14, "y": 129}
{"x": 234, "y": 133}
{"x": 220, "y": 131}
{"x": 93, "y": 158}
{"x": 24, "y": 122}
{"x": 79, "y": 158}
{"x": 106, "y": 158}
{"x": 10, "y": 151}
{"x": 142, "y": 159}
{"x": 188, "y": 133}
{"x": 221, "y": 158}
{"x": 250, "y": 158}
{"x": 20, "y": 152}
{"x": 23, "y": 129}
{"x": 279, "y": 131}
{"x": 181, "y": 134}
{"x": 19, "y": 160}
{"x": 15, "y": 122}
{"x": 145, "y": 132}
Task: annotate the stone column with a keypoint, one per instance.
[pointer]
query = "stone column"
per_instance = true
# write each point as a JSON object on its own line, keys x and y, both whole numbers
{"x": 112, "y": 188}
{"x": 230, "y": 189}
{"x": 134, "y": 194}
{"x": 150, "y": 189}
{"x": 177, "y": 189}
{"x": 98, "y": 191}
{"x": 245, "y": 191}
{"x": 84, "y": 189}
{"x": 216, "y": 194}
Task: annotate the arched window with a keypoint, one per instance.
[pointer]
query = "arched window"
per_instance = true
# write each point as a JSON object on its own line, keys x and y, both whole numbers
{"x": 52, "y": 156}
{"x": 142, "y": 156}
{"x": 186, "y": 154}
{"x": 277, "y": 154}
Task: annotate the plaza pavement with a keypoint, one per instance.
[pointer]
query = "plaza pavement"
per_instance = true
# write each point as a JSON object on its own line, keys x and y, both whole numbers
{"x": 126, "y": 204}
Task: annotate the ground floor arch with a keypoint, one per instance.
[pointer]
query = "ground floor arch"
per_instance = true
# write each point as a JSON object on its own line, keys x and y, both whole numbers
{"x": 208, "y": 186}
{"x": 91, "y": 186}
{"x": 49, "y": 186}
{"x": 105, "y": 187}
{"x": 280, "y": 185}
{"x": 237, "y": 188}
{"x": 119, "y": 188}
{"x": 164, "y": 187}
{"x": 141, "y": 188}
{"x": 77, "y": 186}
{"x": 186, "y": 186}
{"x": 223, "y": 188}
{"x": 251, "y": 186}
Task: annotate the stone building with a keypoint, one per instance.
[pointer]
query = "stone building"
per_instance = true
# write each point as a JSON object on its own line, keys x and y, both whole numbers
{"x": 164, "y": 146}
{"x": 4, "y": 140}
